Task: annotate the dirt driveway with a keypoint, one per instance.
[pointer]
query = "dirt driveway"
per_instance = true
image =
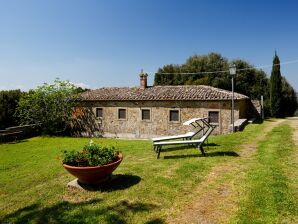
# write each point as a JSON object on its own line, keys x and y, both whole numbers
{"x": 216, "y": 195}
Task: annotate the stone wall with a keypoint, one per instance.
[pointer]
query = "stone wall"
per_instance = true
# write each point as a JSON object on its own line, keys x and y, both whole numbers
{"x": 257, "y": 107}
{"x": 19, "y": 132}
{"x": 159, "y": 125}
{"x": 254, "y": 109}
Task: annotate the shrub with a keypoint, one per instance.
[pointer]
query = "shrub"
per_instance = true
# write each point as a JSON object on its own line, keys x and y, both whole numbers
{"x": 8, "y": 103}
{"x": 91, "y": 155}
{"x": 50, "y": 105}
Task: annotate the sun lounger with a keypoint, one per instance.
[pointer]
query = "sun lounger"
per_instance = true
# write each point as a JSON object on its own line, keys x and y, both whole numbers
{"x": 197, "y": 123}
{"x": 157, "y": 145}
{"x": 187, "y": 135}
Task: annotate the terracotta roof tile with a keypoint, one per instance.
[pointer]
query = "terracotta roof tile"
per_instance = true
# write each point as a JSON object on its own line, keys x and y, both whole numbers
{"x": 185, "y": 92}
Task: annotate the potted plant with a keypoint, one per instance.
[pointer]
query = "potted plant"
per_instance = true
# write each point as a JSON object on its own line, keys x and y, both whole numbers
{"x": 92, "y": 165}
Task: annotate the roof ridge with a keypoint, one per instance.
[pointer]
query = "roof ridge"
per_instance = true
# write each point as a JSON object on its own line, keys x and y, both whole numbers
{"x": 174, "y": 92}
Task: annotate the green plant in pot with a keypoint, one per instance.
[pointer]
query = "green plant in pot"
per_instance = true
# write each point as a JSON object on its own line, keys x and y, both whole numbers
{"x": 93, "y": 164}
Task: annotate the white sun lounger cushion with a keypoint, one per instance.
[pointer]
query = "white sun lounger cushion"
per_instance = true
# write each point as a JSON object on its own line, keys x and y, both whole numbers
{"x": 186, "y": 135}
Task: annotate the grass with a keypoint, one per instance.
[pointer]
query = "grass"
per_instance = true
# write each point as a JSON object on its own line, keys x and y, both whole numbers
{"x": 145, "y": 190}
{"x": 269, "y": 194}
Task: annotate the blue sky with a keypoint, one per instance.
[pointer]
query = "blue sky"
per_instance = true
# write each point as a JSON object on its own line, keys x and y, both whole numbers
{"x": 107, "y": 43}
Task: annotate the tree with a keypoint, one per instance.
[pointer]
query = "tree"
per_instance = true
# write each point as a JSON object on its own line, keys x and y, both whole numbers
{"x": 169, "y": 78}
{"x": 276, "y": 89}
{"x": 49, "y": 106}
{"x": 194, "y": 64}
{"x": 289, "y": 98}
{"x": 249, "y": 80}
{"x": 8, "y": 103}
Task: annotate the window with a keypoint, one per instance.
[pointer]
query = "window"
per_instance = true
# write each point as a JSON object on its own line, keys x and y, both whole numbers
{"x": 214, "y": 117}
{"x": 174, "y": 115}
{"x": 146, "y": 115}
{"x": 121, "y": 114}
{"x": 98, "y": 112}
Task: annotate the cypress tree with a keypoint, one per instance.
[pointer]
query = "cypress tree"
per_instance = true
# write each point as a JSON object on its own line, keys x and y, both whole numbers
{"x": 275, "y": 88}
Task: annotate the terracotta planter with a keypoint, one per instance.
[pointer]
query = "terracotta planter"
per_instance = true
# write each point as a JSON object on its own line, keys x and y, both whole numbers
{"x": 93, "y": 174}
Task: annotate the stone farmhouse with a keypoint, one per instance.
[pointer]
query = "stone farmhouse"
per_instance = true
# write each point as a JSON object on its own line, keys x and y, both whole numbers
{"x": 152, "y": 111}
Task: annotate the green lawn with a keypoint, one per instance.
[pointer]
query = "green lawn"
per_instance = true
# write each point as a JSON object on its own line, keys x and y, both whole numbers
{"x": 269, "y": 192}
{"x": 145, "y": 190}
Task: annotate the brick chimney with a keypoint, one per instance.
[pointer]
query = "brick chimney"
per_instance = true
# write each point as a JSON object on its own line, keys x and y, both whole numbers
{"x": 143, "y": 80}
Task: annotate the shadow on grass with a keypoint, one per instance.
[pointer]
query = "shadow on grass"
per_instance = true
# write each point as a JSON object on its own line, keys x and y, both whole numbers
{"x": 182, "y": 156}
{"x": 14, "y": 142}
{"x": 91, "y": 211}
{"x": 270, "y": 120}
{"x": 155, "y": 221}
{"x": 210, "y": 154}
{"x": 117, "y": 182}
{"x": 259, "y": 121}
{"x": 225, "y": 153}
{"x": 211, "y": 144}
{"x": 174, "y": 148}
